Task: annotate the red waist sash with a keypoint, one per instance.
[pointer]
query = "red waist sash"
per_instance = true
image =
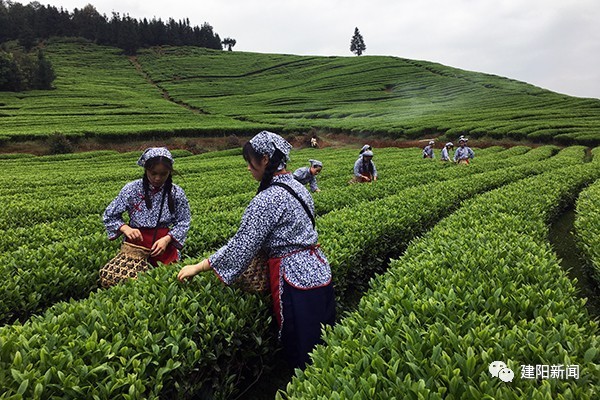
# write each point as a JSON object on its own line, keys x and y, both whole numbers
{"x": 169, "y": 256}
{"x": 274, "y": 279}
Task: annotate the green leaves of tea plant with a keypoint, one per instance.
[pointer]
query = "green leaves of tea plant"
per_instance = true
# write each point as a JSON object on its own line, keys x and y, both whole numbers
{"x": 156, "y": 338}
{"x": 482, "y": 286}
{"x": 587, "y": 226}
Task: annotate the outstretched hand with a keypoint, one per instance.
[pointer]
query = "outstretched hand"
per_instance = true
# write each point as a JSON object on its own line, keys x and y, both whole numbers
{"x": 189, "y": 271}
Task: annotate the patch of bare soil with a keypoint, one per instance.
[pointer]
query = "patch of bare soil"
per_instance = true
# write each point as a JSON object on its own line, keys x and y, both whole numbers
{"x": 202, "y": 144}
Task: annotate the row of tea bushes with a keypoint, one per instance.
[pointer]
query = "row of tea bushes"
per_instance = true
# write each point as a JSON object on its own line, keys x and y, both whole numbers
{"x": 587, "y": 228}
{"x": 91, "y": 183}
{"x": 393, "y": 168}
{"x": 37, "y": 276}
{"x": 482, "y": 286}
{"x": 60, "y": 260}
{"x": 419, "y": 173}
{"x": 89, "y": 191}
{"x": 360, "y": 238}
{"x": 90, "y": 345}
{"x": 138, "y": 340}
{"x": 73, "y": 274}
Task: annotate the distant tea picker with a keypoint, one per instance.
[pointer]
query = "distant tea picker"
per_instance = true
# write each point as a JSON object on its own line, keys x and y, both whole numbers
{"x": 445, "y": 151}
{"x": 428, "y": 150}
{"x": 463, "y": 154}
{"x": 364, "y": 168}
{"x": 314, "y": 142}
{"x": 308, "y": 175}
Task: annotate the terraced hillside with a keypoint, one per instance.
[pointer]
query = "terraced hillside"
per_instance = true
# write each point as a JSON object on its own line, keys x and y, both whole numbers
{"x": 193, "y": 91}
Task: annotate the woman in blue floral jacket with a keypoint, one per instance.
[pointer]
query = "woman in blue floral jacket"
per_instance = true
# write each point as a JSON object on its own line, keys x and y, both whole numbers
{"x": 142, "y": 200}
{"x": 280, "y": 222}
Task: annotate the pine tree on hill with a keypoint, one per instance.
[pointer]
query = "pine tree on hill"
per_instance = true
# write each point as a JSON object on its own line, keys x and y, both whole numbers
{"x": 357, "y": 44}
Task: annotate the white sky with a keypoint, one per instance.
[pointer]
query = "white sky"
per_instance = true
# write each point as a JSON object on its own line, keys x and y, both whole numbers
{"x": 554, "y": 44}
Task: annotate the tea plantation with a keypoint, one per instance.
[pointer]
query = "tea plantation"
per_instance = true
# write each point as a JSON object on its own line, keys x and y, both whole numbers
{"x": 439, "y": 270}
{"x": 189, "y": 91}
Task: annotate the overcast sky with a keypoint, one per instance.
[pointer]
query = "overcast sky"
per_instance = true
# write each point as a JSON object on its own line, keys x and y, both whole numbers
{"x": 554, "y": 44}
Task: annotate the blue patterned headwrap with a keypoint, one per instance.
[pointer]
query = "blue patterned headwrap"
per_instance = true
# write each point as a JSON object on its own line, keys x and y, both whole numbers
{"x": 266, "y": 143}
{"x": 152, "y": 152}
{"x": 315, "y": 163}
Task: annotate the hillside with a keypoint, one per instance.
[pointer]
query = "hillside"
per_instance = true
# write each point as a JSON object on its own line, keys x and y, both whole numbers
{"x": 192, "y": 91}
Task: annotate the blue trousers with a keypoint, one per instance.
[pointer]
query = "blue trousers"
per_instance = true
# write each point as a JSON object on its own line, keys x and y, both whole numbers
{"x": 304, "y": 310}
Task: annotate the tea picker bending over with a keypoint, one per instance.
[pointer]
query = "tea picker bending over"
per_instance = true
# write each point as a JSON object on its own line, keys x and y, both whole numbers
{"x": 445, "y": 151}
{"x": 308, "y": 175}
{"x": 142, "y": 200}
{"x": 279, "y": 220}
{"x": 428, "y": 150}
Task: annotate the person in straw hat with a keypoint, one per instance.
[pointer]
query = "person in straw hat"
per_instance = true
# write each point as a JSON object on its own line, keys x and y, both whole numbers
{"x": 309, "y": 174}
{"x": 142, "y": 200}
{"x": 463, "y": 154}
{"x": 280, "y": 221}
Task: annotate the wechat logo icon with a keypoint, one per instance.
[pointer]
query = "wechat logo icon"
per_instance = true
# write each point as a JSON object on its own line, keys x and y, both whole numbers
{"x": 498, "y": 369}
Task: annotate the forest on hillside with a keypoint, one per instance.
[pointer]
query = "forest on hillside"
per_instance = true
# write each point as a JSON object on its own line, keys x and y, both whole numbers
{"x": 23, "y": 65}
{"x": 34, "y": 22}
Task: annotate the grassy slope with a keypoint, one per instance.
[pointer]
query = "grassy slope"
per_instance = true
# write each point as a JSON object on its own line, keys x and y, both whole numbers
{"x": 98, "y": 91}
{"x": 194, "y": 91}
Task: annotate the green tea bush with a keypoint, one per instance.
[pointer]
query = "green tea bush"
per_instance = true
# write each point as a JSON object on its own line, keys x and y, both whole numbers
{"x": 587, "y": 227}
{"x": 27, "y": 290}
{"x": 154, "y": 337}
{"x": 482, "y": 286}
{"x": 181, "y": 341}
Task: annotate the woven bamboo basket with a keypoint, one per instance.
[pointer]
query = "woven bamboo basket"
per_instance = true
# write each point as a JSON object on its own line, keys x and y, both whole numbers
{"x": 131, "y": 260}
{"x": 255, "y": 278}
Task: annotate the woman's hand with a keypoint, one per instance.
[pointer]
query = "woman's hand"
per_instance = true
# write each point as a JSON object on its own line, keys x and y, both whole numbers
{"x": 134, "y": 235}
{"x": 189, "y": 271}
{"x": 160, "y": 246}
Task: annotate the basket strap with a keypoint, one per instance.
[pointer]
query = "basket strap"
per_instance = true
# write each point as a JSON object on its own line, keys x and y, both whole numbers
{"x": 289, "y": 189}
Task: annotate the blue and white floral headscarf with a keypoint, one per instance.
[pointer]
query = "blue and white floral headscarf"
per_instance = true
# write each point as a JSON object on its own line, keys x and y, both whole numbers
{"x": 266, "y": 143}
{"x": 315, "y": 163}
{"x": 365, "y": 148}
{"x": 152, "y": 152}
